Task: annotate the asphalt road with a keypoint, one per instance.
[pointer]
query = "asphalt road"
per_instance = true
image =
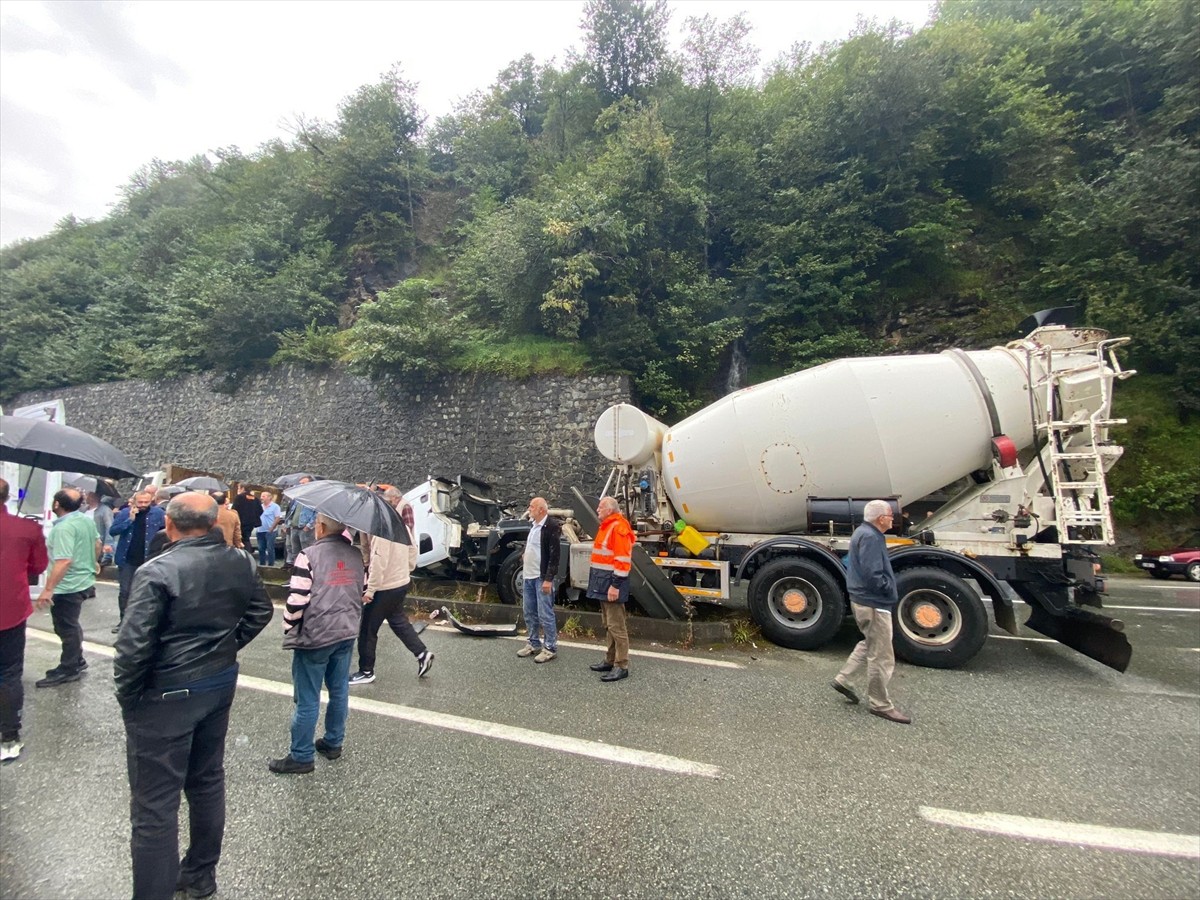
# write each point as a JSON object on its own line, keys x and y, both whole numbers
{"x": 706, "y": 774}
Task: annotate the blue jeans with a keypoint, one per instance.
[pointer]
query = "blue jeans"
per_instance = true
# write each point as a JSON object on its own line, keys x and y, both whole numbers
{"x": 538, "y": 606}
{"x": 310, "y": 668}
{"x": 266, "y": 548}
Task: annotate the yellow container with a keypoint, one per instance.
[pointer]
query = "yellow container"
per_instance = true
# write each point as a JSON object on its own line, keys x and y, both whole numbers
{"x": 695, "y": 542}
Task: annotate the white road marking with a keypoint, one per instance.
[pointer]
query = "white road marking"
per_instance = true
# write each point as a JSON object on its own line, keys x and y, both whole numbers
{"x": 1131, "y": 840}
{"x": 650, "y": 654}
{"x": 615, "y": 753}
{"x": 1191, "y": 609}
{"x": 1013, "y": 637}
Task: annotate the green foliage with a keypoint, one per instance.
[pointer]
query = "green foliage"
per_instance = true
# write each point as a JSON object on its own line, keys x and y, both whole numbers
{"x": 409, "y": 329}
{"x": 315, "y": 347}
{"x": 632, "y": 211}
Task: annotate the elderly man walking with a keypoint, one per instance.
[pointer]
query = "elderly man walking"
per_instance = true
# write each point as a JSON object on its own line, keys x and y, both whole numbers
{"x": 539, "y": 570}
{"x": 388, "y": 576}
{"x": 608, "y": 582}
{"x": 320, "y": 623}
{"x": 22, "y": 559}
{"x": 872, "y": 586}
{"x": 192, "y": 608}
{"x": 74, "y": 548}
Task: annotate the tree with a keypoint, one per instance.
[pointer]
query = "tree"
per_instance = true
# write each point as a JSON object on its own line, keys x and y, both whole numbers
{"x": 626, "y": 45}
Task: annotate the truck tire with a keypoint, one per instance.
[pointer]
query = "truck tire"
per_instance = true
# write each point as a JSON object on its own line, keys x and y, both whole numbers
{"x": 940, "y": 622}
{"x": 509, "y": 579}
{"x": 796, "y": 603}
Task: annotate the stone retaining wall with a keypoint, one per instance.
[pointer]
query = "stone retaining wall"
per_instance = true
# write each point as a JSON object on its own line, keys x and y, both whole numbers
{"x": 526, "y": 437}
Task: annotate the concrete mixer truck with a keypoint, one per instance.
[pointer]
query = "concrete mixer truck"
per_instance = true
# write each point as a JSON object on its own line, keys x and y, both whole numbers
{"x": 994, "y": 461}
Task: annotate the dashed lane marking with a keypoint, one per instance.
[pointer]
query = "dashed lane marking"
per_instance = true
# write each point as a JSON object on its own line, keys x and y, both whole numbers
{"x": 614, "y": 753}
{"x": 1129, "y": 840}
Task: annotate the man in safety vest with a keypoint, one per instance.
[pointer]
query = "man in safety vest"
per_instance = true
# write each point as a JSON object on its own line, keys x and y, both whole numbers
{"x": 608, "y": 582}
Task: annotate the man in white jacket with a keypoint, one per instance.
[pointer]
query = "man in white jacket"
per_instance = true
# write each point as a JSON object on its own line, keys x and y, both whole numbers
{"x": 388, "y": 575}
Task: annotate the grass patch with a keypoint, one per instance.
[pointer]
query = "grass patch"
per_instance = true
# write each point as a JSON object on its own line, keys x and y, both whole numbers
{"x": 522, "y": 357}
{"x": 574, "y": 629}
{"x": 1117, "y": 565}
{"x": 744, "y": 631}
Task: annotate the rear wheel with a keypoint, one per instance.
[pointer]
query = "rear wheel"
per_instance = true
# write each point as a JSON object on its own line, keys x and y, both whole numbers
{"x": 940, "y": 622}
{"x": 796, "y": 603}
{"x": 1193, "y": 571}
{"x": 509, "y": 579}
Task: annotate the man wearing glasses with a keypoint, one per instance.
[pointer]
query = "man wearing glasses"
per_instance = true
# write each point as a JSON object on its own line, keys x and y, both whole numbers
{"x": 872, "y": 586}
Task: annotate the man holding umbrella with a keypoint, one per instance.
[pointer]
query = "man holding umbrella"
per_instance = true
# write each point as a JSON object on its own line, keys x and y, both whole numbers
{"x": 320, "y": 623}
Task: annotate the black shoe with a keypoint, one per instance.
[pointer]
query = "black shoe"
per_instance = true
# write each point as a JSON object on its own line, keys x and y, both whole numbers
{"x": 200, "y": 887}
{"x": 616, "y": 674}
{"x": 327, "y": 749}
{"x": 845, "y": 690}
{"x": 59, "y": 677}
{"x": 115, "y": 629}
{"x": 601, "y": 667}
{"x": 289, "y": 766}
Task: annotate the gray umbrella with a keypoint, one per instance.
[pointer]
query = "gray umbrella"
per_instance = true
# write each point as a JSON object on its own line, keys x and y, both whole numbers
{"x": 287, "y": 481}
{"x": 203, "y": 483}
{"x": 60, "y": 448}
{"x": 89, "y": 484}
{"x": 360, "y": 508}
{"x": 173, "y": 490}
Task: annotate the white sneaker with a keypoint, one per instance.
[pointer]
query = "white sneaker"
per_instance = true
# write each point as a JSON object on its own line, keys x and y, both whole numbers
{"x": 527, "y": 650}
{"x": 424, "y": 663}
{"x": 362, "y": 677}
{"x": 10, "y": 750}
{"x": 545, "y": 656}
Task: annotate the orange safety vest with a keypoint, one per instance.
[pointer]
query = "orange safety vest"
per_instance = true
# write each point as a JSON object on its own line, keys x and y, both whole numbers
{"x": 612, "y": 551}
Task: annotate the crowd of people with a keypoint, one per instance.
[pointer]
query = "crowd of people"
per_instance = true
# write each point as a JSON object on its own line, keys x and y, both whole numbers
{"x": 191, "y": 596}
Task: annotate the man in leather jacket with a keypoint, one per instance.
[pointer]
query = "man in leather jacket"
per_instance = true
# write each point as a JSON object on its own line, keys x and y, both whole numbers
{"x": 190, "y": 611}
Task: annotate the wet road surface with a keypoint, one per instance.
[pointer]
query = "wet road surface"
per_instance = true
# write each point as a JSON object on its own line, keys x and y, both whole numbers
{"x": 706, "y": 774}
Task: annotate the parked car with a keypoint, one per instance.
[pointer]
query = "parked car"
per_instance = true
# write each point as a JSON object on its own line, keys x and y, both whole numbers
{"x": 1182, "y": 560}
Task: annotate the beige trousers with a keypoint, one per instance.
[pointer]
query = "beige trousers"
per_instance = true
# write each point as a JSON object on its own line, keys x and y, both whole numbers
{"x": 613, "y": 616}
{"x": 876, "y": 650}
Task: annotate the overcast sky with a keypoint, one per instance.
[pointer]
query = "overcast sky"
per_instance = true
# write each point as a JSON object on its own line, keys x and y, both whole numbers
{"x": 90, "y": 91}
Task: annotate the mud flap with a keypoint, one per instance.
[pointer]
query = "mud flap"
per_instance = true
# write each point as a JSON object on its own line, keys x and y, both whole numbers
{"x": 1091, "y": 634}
{"x": 475, "y": 630}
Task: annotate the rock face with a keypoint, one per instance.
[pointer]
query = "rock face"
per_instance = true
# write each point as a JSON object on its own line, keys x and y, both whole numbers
{"x": 526, "y": 437}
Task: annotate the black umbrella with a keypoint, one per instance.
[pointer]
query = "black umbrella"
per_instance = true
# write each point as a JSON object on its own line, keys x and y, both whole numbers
{"x": 287, "y": 481}
{"x": 91, "y": 485}
{"x": 360, "y": 508}
{"x": 203, "y": 483}
{"x": 60, "y": 448}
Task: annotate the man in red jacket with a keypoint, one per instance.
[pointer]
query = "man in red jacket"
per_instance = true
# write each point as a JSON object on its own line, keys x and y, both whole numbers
{"x": 23, "y": 558}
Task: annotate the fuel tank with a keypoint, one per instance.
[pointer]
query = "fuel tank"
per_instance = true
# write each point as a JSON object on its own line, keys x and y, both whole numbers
{"x": 887, "y": 427}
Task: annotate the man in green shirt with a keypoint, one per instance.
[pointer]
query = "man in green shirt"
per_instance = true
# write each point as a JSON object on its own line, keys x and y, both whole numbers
{"x": 73, "y": 547}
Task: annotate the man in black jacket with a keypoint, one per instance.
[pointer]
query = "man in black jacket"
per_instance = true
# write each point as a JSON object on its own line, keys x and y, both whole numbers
{"x": 191, "y": 609}
{"x": 540, "y": 569}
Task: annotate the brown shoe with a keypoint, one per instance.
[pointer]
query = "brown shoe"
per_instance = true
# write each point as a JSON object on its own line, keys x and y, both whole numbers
{"x": 892, "y": 715}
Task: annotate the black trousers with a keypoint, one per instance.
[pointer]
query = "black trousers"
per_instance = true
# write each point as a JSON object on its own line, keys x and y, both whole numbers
{"x": 64, "y": 613}
{"x": 387, "y": 605}
{"x": 175, "y": 745}
{"x": 12, "y": 692}
{"x": 247, "y": 540}
{"x": 125, "y": 573}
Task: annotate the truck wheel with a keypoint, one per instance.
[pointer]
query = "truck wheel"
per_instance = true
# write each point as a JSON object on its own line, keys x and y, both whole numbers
{"x": 1193, "y": 572}
{"x": 940, "y": 622}
{"x": 509, "y": 579}
{"x": 796, "y": 603}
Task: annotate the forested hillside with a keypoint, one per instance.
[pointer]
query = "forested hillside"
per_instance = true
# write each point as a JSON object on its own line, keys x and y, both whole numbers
{"x": 676, "y": 217}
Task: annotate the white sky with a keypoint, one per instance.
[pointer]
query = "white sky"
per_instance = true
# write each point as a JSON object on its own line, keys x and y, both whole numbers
{"x": 90, "y": 91}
